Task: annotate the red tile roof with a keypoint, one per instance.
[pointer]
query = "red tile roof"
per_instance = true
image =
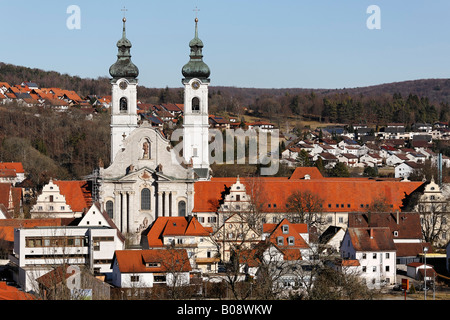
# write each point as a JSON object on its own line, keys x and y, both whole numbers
{"x": 371, "y": 239}
{"x": 165, "y": 260}
{"x": 299, "y": 242}
{"x": 16, "y": 166}
{"x": 407, "y": 224}
{"x": 13, "y": 293}
{"x": 7, "y": 226}
{"x": 174, "y": 226}
{"x": 77, "y": 194}
{"x": 348, "y": 193}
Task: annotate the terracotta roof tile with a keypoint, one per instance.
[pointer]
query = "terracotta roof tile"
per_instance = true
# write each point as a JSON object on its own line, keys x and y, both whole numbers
{"x": 348, "y": 193}
{"x": 153, "y": 260}
{"x": 77, "y": 194}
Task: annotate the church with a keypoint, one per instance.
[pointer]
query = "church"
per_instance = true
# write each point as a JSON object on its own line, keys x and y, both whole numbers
{"x": 145, "y": 179}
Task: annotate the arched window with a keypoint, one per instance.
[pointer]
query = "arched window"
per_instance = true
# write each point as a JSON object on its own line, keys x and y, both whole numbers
{"x": 195, "y": 104}
{"x": 110, "y": 208}
{"x": 123, "y": 105}
{"x": 145, "y": 199}
{"x": 182, "y": 208}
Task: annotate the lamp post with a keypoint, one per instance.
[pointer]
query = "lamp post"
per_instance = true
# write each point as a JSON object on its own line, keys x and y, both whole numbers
{"x": 425, "y": 250}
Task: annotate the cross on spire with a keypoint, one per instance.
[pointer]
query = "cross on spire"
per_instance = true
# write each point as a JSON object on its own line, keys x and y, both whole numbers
{"x": 124, "y": 11}
{"x": 196, "y": 12}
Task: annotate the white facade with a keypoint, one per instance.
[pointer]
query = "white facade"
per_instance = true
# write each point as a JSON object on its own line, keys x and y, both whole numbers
{"x": 38, "y": 250}
{"x": 377, "y": 267}
{"x": 196, "y": 124}
{"x": 147, "y": 279}
{"x": 123, "y": 112}
{"x": 52, "y": 203}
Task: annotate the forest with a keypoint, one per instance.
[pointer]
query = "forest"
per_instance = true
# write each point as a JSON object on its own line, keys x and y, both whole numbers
{"x": 69, "y": 146}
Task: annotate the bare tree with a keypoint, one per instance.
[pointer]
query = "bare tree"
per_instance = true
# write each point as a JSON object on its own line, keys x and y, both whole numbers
{"x": 305, "y": 207}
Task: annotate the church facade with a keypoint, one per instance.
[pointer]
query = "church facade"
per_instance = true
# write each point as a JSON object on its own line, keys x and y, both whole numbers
{"x": 145, "y": 179}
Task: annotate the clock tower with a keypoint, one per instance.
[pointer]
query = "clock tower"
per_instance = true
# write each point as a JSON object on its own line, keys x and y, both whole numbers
{"x": 124, "y": 83}
{"x": 196, "y": 118}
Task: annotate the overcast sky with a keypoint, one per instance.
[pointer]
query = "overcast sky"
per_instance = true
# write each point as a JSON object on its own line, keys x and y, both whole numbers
{"x": 248, "y": 43}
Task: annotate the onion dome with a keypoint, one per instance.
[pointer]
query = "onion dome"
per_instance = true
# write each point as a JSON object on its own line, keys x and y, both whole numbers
{"x": 123, "y": 67}
{"x": 196, "y": 68}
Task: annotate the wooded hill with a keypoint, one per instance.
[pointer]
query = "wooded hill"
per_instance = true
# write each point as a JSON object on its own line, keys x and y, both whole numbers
{"x": 67, "y": 146}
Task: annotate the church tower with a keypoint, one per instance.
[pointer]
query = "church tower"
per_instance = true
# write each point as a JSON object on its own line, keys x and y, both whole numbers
{"x": 124, "y": 95}
{"x": 195, "y": 136}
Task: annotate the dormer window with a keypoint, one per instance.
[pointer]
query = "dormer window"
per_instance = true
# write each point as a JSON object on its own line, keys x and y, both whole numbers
{"x": 291, "y": 241}
{"x": 280, "y": 241}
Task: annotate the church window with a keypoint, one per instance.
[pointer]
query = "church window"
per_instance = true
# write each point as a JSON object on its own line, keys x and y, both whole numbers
{"x": 195, "y": 105}
{"x": 182, "y": 208}
{"x": 110, "y": 209}
{"x": 145, "y": 199}
{"x": 123, "y": 105}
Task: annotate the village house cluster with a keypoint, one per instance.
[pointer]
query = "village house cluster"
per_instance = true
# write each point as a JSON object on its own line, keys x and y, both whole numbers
{"x": 144, "y": 222}
{"x": 391, "y": 147}
{"x": 67, "y": 228}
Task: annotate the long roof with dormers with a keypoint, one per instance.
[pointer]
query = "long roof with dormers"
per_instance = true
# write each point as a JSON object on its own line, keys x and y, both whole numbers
{"x": 337, "y": 194}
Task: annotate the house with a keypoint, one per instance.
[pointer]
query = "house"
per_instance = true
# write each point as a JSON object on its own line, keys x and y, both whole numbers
{"x": 12, "y": 172}
{"x": 375, "y": 250}
{"x": 7, "y": 227}
{"x": 291, "y": 153}
{"x": 218, "y": 122}
{"x": 405, "y": 169}
{"x": 416, "y": 157}
{"x": 396, "y": 158}
{"x": 289, "y": 238}
{"x": 235, "y": 233}
{"x": 336, "y": 197}
{"x": 186, "y": 233}
{"x": 416, "y": 270}
{"x": 147, "y": 268}
{"x": 371, "y": 160}
{"x": 349, "y": 159}
{"x": 331, "y": 239}
{"x": 405, "y": 228}
{"x": 11, "y": 199}
{"x": 263, "y": 126}
{"x": 64, "y": 199}
{"x": 66, "y": 282}
{"x": 329, "y": 160}
{"x": 38, "y": 249}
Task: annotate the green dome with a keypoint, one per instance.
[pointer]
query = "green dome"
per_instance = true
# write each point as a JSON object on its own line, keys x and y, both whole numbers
{"x": 123, "y": 67}
{"x": 196, "y": 68}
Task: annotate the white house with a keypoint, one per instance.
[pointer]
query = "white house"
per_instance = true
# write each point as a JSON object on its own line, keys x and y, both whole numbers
{"x": 395, "y": 159}
{"x": 37, "y": 250}
{"x": 375, "y": 250}
{"x": 145, "y": 268}
{"x": 416, "y": 270}
{"x": 405, "y": 169}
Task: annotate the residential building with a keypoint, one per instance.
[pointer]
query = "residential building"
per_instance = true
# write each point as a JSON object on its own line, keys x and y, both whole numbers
{"x": 184, "y": 233}
{"x": 64, "y": 199}
{"x": 147, "y": 268}
{"x": 37, "y": 250}
{"x": 375, "y": 250}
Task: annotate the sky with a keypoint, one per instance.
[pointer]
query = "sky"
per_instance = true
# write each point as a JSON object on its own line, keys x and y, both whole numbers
{"x": 247, "y": 43}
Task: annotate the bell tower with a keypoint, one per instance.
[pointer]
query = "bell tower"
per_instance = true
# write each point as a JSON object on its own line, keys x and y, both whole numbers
{"x": 196, "y": 124}
{"x": 124, "y": 83}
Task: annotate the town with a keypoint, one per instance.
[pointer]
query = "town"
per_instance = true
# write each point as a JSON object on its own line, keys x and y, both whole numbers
{"x": 362, "y": 213}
